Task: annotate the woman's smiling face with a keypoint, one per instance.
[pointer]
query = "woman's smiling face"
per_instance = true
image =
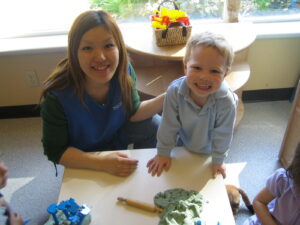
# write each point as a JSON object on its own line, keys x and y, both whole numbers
{"x": 205, "y": 71}
{"x": 98, "y": 55}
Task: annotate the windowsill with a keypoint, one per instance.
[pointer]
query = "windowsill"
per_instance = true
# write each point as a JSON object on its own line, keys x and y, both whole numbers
{"x": 277, "y": 30}
{"x": 33, "y": 45}
{"x": 58, "y": 43}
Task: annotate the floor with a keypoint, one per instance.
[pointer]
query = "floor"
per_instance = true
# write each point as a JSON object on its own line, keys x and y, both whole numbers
{"x": 254, "y": 153}
{"x": 32, "y": 184}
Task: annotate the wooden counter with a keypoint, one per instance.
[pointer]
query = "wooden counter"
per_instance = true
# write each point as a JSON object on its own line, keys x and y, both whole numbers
{"x": 139, "y": 38}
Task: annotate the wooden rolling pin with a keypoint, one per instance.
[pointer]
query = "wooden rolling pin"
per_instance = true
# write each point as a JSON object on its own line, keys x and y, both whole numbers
{"x": 140, "y": 205}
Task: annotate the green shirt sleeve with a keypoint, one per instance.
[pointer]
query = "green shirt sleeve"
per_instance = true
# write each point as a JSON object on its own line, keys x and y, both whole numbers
{"x": 55, "y": 128}
{"x": 135, "y": 96}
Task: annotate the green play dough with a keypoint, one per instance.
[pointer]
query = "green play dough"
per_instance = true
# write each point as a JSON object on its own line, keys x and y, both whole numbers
{"x": 180, "y": 207}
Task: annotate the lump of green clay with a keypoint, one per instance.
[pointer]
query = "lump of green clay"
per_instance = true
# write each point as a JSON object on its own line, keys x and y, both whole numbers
{"x": 180, "y": 207}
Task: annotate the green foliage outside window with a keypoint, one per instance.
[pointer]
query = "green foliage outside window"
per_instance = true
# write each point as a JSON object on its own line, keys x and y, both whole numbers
{"x": 273, "y": 4}
{"x": 125, "y": 9}
{"x": 269, "y": 7}
{"x": 142, "y": 9}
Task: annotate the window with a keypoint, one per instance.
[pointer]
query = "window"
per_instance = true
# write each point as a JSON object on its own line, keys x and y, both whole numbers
{"x": 32, "y": 17}
{"x": 45, "y": 17}
{"x": 254, "y": 10}
{"x": 270, "y": 10}
{"x": 140, "y": 10}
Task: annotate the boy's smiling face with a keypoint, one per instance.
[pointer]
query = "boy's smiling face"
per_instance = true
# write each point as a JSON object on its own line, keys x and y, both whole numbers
{"x": 205, "y": 70}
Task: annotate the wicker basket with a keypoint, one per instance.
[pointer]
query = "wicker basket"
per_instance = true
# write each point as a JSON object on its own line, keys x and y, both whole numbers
{"x": 176, "y": 33}
{"x": 173, "y": 35}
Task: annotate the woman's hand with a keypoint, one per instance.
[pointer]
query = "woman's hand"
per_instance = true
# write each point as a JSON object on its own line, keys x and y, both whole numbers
{"x": 159, "y": 163}
{"x": 118, "y": 164}
{"x": 115, "y": 163}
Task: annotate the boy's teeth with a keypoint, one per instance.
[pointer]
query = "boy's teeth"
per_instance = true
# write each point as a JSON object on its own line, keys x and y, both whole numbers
{"x": 203, "y": 86}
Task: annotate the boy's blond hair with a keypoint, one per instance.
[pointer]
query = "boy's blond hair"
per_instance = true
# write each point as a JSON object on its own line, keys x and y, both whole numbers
{"x": 209, "y": 39}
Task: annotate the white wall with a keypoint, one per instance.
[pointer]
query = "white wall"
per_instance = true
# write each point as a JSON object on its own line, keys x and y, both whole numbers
{"x": 275, "y": 63}
{"x": 14, "y": 87}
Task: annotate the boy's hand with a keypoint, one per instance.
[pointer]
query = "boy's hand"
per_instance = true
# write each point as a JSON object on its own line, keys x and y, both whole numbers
{"x": 219, "y": 169}
{"x": 157, "y": 164}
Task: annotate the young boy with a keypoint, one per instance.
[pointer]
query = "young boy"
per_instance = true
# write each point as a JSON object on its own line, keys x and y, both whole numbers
{"x": 199, "y": 109}
{"x": 7, "y": 217}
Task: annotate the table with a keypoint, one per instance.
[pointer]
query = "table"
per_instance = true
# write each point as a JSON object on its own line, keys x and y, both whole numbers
{"x": 139, "y": 38}
{"x": 100, "y": 190}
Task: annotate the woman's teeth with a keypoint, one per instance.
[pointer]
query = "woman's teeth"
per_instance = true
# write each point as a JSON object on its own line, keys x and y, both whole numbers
{"x": 100, "y": 67}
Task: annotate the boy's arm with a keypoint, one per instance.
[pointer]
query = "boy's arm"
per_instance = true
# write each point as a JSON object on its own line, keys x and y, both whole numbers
{"x": 223, "y": 130}
{"x": 166, "y": 135}
{"x": 170, "y": 124}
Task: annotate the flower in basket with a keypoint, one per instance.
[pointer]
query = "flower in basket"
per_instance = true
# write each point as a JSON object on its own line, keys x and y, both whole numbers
{"x": 161, "y": 19}
{"x": 175, "y": 19}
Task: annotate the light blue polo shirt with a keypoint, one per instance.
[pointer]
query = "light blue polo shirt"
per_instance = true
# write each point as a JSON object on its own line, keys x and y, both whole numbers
{"x": 206, "y": 130}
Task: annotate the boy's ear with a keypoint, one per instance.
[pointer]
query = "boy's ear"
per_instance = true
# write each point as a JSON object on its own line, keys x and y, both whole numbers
{"x": 227, "y": 71}
{"x": 184, "y": 67}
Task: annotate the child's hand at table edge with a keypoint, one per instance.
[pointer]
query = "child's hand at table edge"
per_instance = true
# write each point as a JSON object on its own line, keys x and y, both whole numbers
{"x": 157, "y": 164}
{"x": 218, "y": 169}
{"x": 3, "y": 174}
{"x": 15, "y": 219}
